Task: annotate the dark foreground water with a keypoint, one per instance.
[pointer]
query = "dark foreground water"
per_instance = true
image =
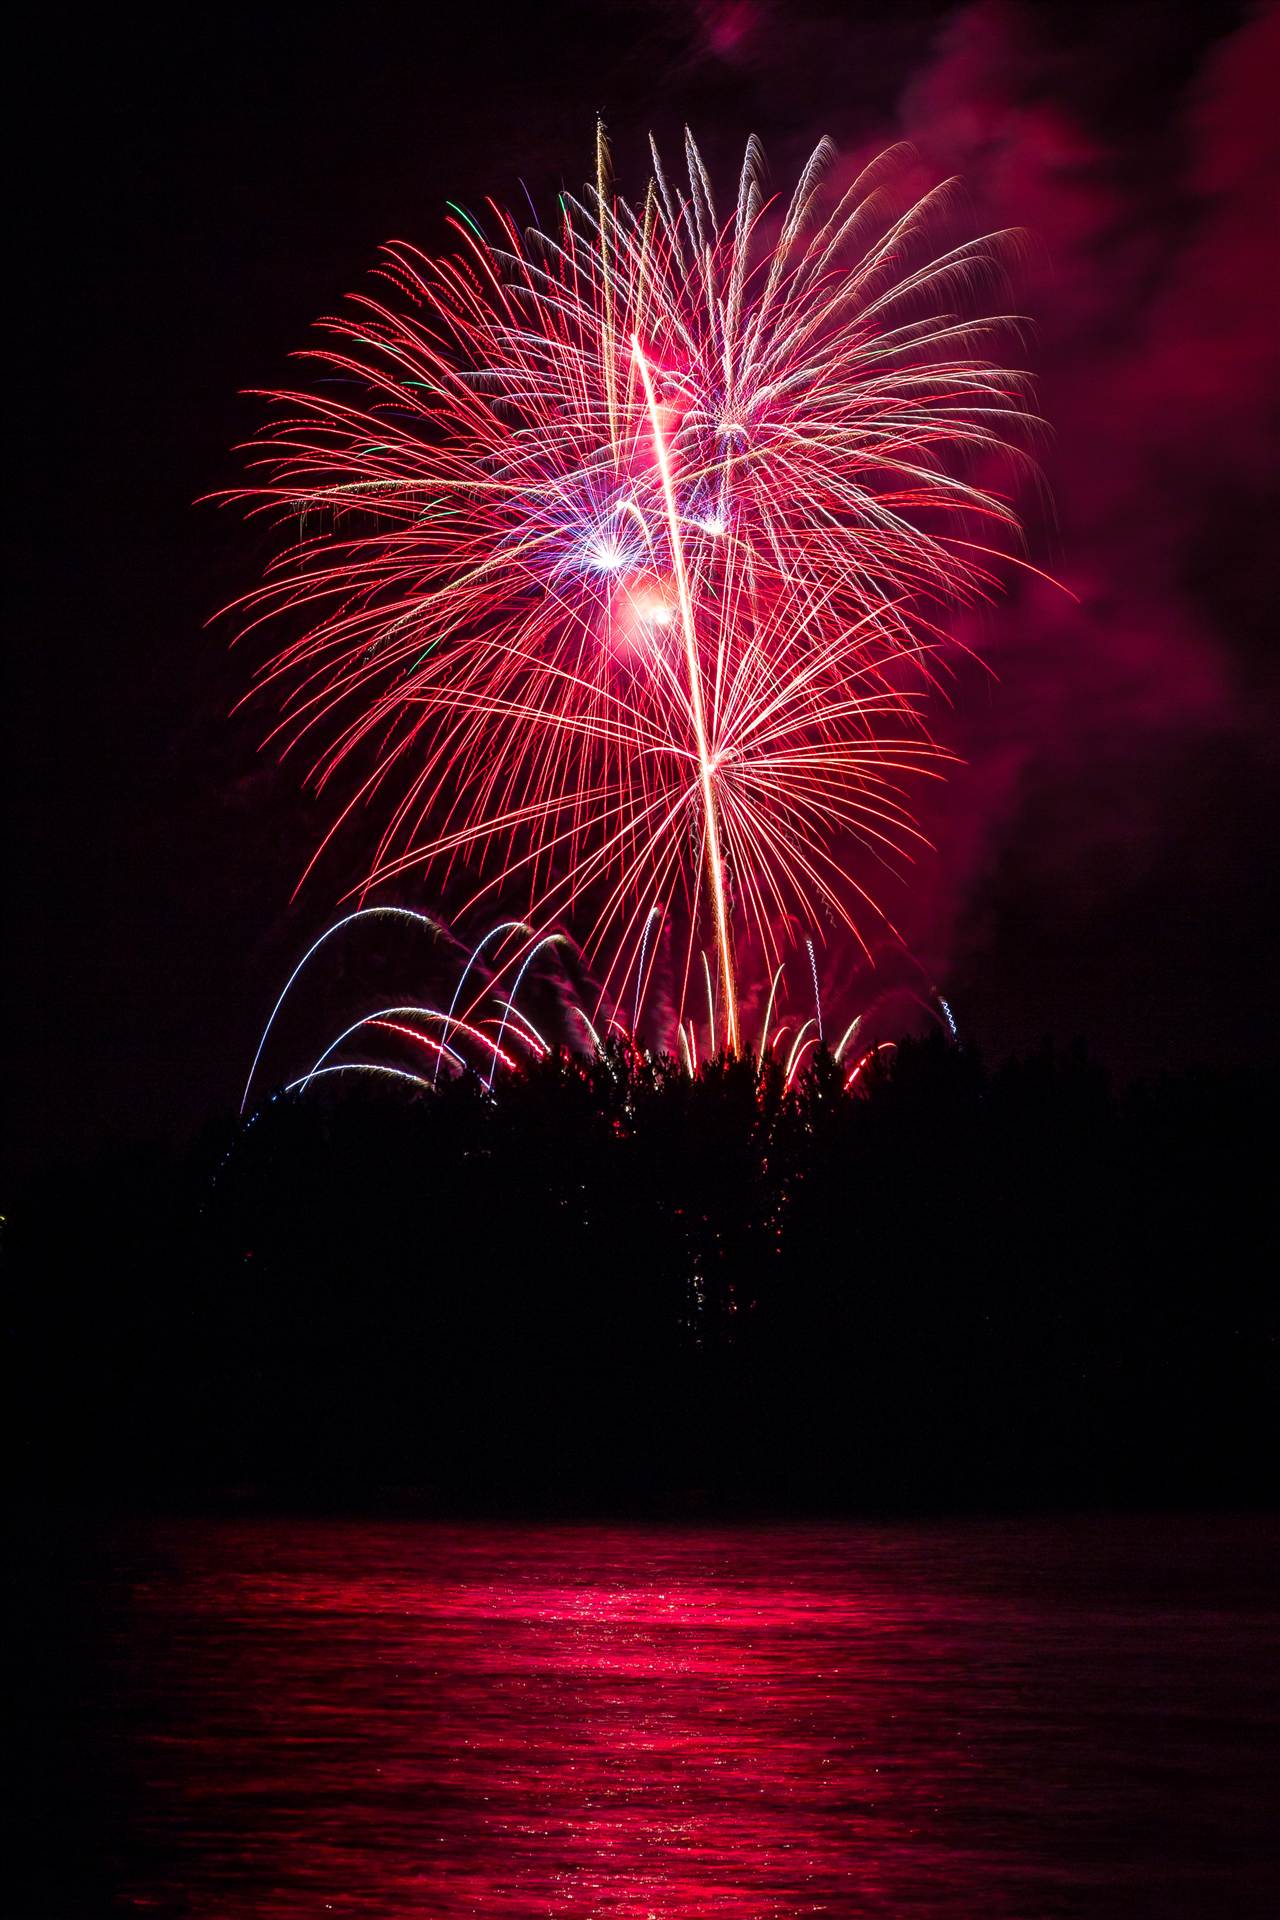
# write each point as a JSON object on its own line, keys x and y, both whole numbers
{"x": 968, "y": 1719}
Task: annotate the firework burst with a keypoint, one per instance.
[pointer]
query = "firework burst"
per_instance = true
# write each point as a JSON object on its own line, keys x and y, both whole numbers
{"x": 624, "y": 554}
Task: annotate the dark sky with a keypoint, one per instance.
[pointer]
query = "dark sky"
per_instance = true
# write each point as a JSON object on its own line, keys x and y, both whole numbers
{"x": 201, "y": 194}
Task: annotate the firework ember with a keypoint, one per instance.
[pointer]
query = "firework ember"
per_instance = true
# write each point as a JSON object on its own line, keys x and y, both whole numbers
{"x": 624, "y": 554}
{"x": 485, "y": 1031}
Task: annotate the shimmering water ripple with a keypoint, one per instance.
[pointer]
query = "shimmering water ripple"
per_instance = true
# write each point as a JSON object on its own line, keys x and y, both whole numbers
{"x": 979, "y": 1720}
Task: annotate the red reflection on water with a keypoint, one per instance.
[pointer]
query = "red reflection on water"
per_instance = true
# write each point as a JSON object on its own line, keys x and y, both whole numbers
{"x": 656, "y": 1723}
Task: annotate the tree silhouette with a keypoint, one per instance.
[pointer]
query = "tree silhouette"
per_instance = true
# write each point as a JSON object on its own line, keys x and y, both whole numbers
{"x": 606, "y": 1280}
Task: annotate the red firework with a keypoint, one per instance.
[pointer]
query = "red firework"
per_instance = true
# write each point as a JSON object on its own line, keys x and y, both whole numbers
{"x": 624, "y": 553}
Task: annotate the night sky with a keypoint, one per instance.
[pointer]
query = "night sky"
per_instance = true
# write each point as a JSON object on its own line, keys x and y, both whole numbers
{"x": 1105, "y": 857}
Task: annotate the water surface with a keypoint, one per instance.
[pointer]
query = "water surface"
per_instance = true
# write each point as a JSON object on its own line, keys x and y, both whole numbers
{"x": 973, "y": 1719}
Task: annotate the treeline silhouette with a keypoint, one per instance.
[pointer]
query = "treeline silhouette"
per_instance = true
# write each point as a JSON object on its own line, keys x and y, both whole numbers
{"x": 608, "y": 1283}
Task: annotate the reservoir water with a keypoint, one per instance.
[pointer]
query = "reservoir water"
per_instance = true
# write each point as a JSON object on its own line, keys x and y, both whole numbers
{"x": 297, "y": 1718}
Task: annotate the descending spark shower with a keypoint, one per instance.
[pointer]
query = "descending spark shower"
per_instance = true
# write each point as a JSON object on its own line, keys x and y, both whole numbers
{"x": 624, "y": 553}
